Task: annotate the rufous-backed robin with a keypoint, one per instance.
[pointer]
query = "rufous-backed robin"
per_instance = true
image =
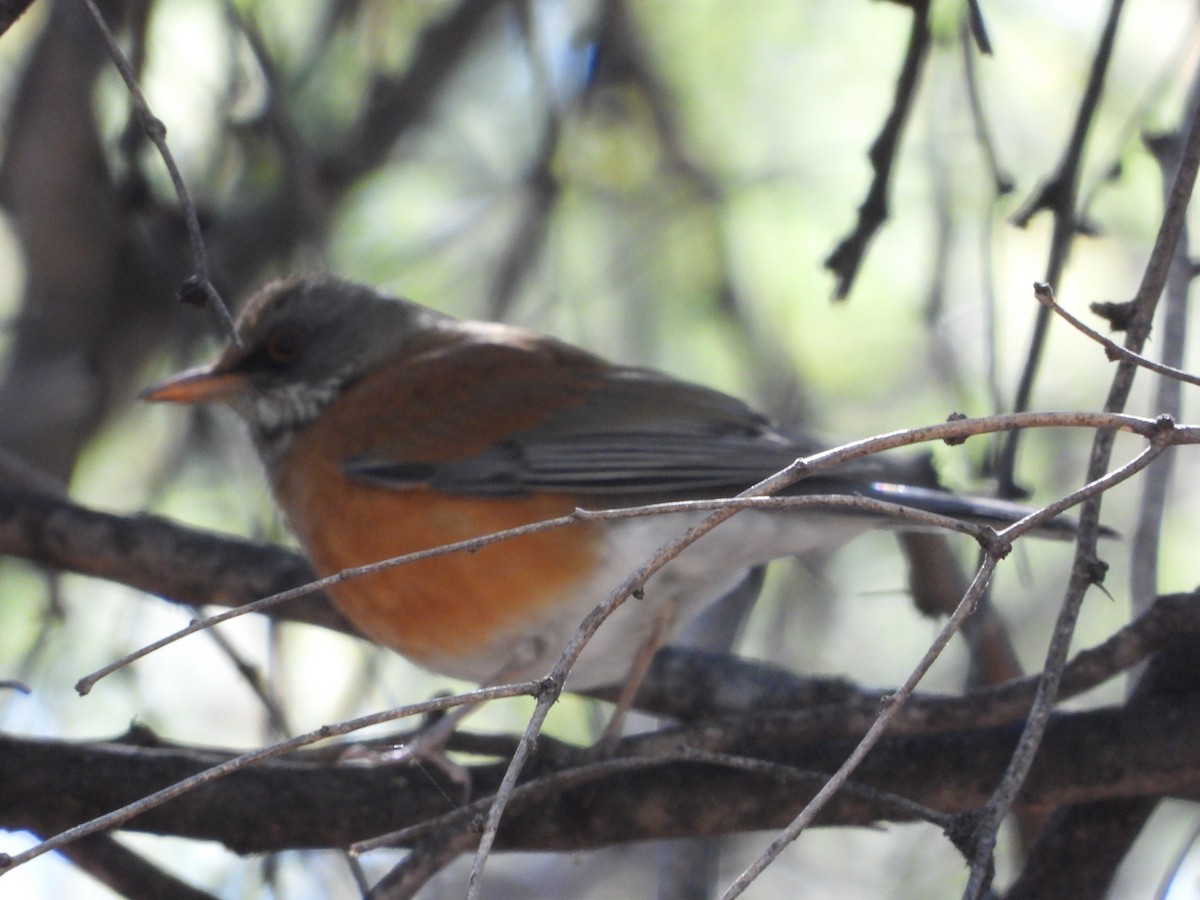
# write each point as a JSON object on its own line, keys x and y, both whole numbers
{"x": 388, "y": 428}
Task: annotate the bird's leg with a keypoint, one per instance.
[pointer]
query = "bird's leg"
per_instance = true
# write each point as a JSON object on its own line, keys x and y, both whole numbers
{"x": 659, "y": 627}
{"x": 428, "y": 743}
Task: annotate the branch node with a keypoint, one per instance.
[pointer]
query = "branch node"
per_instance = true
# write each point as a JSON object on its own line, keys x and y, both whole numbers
{"x": 992, "y": 544}
{"x": 962, "y": 831}
{"x": 192, "y": 292}
{"x": 956, "y": 441}
{"x": 1117, "y": 315}
{"x": 548, "y": 688}
{"x": 1095, "y": 570}
{"x": 154, "y": 127}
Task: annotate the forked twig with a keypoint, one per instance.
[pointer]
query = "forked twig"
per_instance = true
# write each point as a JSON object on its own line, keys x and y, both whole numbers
{"x": 198, "y": 289}
{"x": 1114, "y": 351}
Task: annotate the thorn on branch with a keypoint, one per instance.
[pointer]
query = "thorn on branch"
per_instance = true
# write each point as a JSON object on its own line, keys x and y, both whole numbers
{"x": 548, "y": 688}
{"x": 140, "y": 735}
{"x": 955, "y": 441}
{"x": 1095, "y": 570}
{"x": 1048, "y": 196}
{"x": 846, "y": 259}
{"x": 978, "y": 27}
{"x": 1164, "y": 423}
{"x": 993, "y": 545}
{"x": 1086, "y": 226}
{"x": 1162, "y": 144}
{"x": 964, "y": 833}
{"x": 1118, "y": 315}
{"x": 192, "y": 292}
{"x": 155, "y": 129}
{"x": 962, "y": 830}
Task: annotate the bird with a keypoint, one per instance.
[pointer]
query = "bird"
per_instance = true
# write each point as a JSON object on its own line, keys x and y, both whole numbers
{"x": 386, "y": 427}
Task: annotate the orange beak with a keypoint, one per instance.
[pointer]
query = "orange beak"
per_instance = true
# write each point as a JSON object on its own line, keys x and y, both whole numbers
{"x": 200, "y": 385}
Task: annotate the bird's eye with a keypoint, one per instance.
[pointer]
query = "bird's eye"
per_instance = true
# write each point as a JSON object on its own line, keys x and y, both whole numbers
{"x": 284, "y": 344}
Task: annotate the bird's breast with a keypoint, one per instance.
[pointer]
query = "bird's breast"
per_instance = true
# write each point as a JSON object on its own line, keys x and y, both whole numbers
{"x": 457, "y": 613}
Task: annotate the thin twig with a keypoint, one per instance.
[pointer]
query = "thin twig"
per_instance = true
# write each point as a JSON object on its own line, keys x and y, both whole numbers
{"x": 119, "y": 816}
{"x": 872, "y": 737}
{"x": 847, "y": 257}
{"x": 974, "y": 18}
{"x": 199, "y": 285}
{"x": 1168, "y": 397}
{"x": 791, "y": 773}
{"x": 276, "y": 717}
{"x": 537, "y": 789}
{"x": 449, "y": 835}
{"x": 1114, "y": 351}
{"x": 1059, "y": 193}
{"x": 126, "y": 873}
{"x": 1002, "y": 180}
{"x": 1084, "y": 572}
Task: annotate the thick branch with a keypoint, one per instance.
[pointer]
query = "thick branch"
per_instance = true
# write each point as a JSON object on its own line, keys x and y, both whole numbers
{"x": 846, "y": 258}
{"x": 1145, "y": 750}
{"x": 178, "y": 563}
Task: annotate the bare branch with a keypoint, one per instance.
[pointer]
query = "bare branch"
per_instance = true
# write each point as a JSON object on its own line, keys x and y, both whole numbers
{"x": 847, "y": 257}
{"x": 1084, "y": 570}
{"x": 198, "y": 289}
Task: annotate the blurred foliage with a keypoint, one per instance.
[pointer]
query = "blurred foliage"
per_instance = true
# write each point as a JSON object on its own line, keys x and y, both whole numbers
{"x": 661, "y": 182}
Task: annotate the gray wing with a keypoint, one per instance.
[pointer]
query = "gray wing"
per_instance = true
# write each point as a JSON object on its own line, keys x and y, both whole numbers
{"x": 637, "y": 433}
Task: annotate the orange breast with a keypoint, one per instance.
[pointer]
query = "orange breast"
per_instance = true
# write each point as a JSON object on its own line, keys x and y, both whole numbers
{"x": 450, "y": 606}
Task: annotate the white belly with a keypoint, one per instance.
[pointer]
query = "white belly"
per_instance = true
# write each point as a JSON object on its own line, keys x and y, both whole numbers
{"x": 694, "y": 580}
